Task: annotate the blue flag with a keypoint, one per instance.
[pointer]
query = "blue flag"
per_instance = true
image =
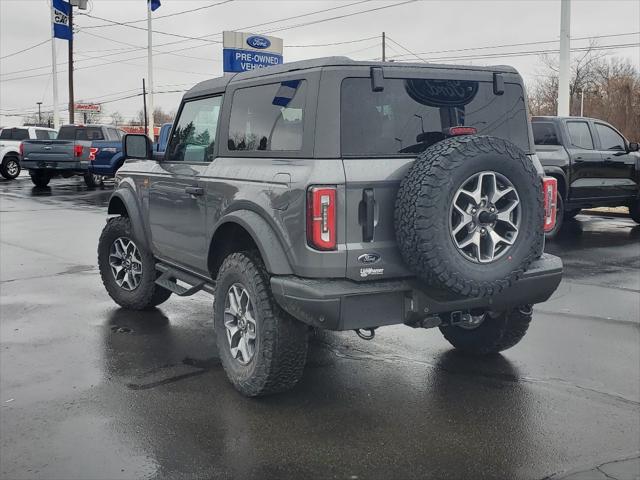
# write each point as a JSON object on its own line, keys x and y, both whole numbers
{"x": 154, "y": 4}
{"x": 61, "y": 20}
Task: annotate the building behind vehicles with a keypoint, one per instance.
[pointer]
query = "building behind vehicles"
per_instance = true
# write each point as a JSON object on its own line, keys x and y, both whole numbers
{"x": 92, "y": 151}
{"x": 338, "y": 195}
{"x": 10, "y": 139}
{"x": 594, "y": 164}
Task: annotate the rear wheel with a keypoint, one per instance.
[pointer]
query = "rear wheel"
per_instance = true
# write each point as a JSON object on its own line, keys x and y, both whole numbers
{"x": 490, "y": 332}
{"x": 40, "y": 179}
{"x": 263, "y": 349}
{"x": 10, "y": 167}
{"x": 127, "y": 268}
{"x": 92, "y": 180}
{"x": 572, "y": 213}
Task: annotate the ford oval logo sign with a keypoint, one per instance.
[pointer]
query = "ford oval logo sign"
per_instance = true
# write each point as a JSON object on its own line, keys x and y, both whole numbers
{"x": 368, "y": 258}
{"x": 256, "y": 41}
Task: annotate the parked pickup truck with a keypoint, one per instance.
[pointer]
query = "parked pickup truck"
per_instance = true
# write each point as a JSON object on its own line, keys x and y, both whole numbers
{"x": 10, "y": 139}
{"x": 93, "y": 151}
{"x": 594, "y": 164}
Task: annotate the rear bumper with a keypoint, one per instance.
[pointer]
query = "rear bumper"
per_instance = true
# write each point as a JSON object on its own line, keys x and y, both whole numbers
{"x": 347, "y": 305}
{"x": 53, "y": 166}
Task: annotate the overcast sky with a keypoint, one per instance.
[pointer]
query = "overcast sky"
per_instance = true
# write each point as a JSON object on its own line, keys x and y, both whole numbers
{"x": 108, "y": 65}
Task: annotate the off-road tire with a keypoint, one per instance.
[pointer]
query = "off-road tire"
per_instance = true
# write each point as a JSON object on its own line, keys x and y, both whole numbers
{"x": 6, "y": 167}
{"x": 281, "y": 340}
{"x": 560, "y": 217}
{"x": 92, "y": 180}
{"x": 496, "y": 333}
{"x": 40, "y": 179}
{"x": 634, "y": 211}
{"x": 147, "y": 294}
{"x": 422, "y": 214}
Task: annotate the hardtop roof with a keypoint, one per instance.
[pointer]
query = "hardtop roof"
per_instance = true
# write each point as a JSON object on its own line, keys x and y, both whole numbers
{"x": 220, "y": 83}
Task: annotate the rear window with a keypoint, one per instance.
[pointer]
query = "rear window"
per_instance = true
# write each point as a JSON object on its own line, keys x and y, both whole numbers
{"x": 268, "y": 117}
{"x": 45, "y": 134}
{"x": 80, "y": 133}
{"x": 544, "y": 133}
{"x": 410, "y": 115}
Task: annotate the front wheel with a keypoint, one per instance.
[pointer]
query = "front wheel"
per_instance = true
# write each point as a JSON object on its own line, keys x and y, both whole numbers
{"x": 40, "y": 179}
{"x": 634, "y": 211}
{"x": 263, "y": 349}
{"x": 10, "y": 168}
{"x": 491, "y": 332}
{"x": 127, "y": 268}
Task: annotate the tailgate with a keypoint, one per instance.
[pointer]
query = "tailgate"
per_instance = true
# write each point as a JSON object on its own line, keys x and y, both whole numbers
{"x": 49, "y": 150}
{"x": 371, "y": 189}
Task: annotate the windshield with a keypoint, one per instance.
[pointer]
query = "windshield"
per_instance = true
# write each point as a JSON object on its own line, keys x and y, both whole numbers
{"x": 410, "y": 115}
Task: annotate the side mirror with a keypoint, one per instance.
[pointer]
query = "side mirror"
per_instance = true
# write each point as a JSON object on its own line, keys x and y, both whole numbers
{"x": 136, "y": 145}
{"x": 633, "y": 146}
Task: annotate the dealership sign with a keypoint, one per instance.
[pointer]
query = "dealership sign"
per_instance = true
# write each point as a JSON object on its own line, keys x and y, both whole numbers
{"x": 246, "y": 51}
{"x": 88, "y": 107}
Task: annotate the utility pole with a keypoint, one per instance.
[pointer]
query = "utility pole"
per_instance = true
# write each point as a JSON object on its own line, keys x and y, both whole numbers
{"x": 54, "y": 72}
{"x": 384, "y": 47}
{"x": 39, "y": 114}
{"x": 70, "y": 68}
{"x": 144, "y": 106}
{"x": 565, "y": 59}
{"x": 150, "y": 72}
{"x": 582, "y": 102}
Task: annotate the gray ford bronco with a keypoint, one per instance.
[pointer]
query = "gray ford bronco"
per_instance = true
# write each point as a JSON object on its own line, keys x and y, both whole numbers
{"x": 339, "y": 195}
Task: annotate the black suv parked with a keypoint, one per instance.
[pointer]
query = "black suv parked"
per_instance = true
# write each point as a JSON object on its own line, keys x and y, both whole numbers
{"x": 339, "y": 195}
{"x": 594, "y": 164}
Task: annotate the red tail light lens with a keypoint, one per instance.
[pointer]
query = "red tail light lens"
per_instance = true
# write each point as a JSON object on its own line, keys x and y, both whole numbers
{"x": 21, "y": 149}
{"x": 321, "y": 218}
{"x": 455, "y": 131}
{"x": 92, "y": 153}
{"x": 550, "y": 191}
{"x": 77, "y": 150}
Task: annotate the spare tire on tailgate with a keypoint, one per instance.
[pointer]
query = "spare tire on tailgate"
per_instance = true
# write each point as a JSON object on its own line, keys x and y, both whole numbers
{"x": 469, "y": 215}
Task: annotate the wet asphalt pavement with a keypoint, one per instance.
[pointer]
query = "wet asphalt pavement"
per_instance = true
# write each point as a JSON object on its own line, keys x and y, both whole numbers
{"x": 89, "y": 390}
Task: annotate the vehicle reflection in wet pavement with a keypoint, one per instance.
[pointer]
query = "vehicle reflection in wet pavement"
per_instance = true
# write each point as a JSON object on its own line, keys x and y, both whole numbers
{"x": 90, "y": 390}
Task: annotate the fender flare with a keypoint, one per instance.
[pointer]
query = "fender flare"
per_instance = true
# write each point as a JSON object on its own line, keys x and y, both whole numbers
{"x": 555, "y": 171}
{"x": 130, "y": 202}
{"x": 273, "y": 254}
{"x": 7, "y": 150}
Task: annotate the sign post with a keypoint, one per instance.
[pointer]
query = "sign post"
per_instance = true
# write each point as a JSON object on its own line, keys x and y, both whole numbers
{"x": 245, "y": 51}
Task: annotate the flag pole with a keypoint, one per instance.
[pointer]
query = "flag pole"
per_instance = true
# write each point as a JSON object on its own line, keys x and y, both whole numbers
{"x": 54, "y": 72}
{"x": 150, "y": 72}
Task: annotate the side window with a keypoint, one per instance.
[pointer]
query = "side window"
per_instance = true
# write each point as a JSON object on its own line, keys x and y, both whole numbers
{"x": 113, "y": 134}
{"x": 544, "y": 133}
{"x": 5, "y": 134}
{"x": 20, "y": 134}
{"x": 194, "y": 137}
{"x": 580, "y": 135}
{"x": 609, "y": 138}
{"x": 268, "y": 117}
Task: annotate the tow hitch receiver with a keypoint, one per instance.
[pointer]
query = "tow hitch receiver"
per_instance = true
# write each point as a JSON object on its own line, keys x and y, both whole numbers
{"x": 364, "y": 336}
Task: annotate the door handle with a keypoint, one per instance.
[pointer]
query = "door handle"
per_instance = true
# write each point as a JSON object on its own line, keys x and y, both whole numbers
{"x": 368, "y": 223}
{"x": 194, "y": 190}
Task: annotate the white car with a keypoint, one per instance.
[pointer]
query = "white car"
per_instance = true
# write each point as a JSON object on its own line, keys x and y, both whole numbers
{"x": 10, "y": 139}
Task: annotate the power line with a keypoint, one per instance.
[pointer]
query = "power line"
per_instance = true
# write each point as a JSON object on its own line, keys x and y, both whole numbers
{"x": 406, "y": 49}
{"x": 26, "y": 49}
{"x": 160, "y": 16}
{"x": 540, "y": 42}
{"x": 334, "y": 43}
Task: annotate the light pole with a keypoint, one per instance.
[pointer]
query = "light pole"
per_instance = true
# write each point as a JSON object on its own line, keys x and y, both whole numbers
{"x": 565, "y": 59}
{"x": 82, "y": 5}
{"x": 39, "y": 114}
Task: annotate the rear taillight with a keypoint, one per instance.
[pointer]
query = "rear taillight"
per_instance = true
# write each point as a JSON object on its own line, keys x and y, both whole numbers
{"x": 321, "y": 218}
{"x": 550, "y": 191}
{"x": 455, "y": 131}
{"x": 77, "y": 150}
{"x": 92, "y": 153}
{"x": 21, "y": 149}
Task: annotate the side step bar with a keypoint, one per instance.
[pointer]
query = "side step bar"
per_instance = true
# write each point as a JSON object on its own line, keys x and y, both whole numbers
{"x": 169, "y": 277}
